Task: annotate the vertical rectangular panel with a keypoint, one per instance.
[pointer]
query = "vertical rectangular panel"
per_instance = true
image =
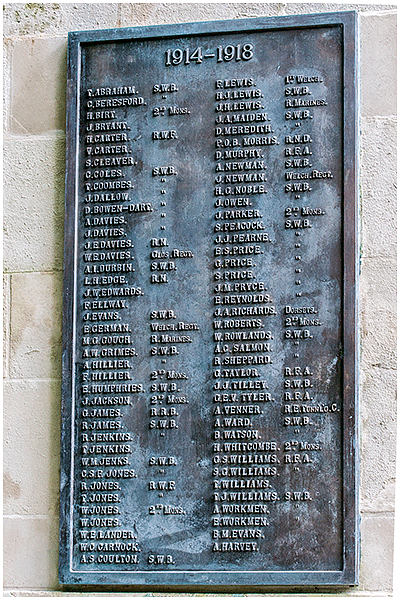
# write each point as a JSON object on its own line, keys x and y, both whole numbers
{"x": 209, "y": 431}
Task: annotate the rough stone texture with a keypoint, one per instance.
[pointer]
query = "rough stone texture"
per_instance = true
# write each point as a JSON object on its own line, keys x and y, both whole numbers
{"x": 39, "y": 19}
{"x": 378, "y": 85}
{"x": 377, "y": 553}
{"x": 378, "y": 186}
{"x": 316, "y": 7}
{"x": 378, "y": 317}
{"x": 154, "y": 14}
{"x": 6, "y": 84}
{"x": 38, "y": 90}
{"x": 378, "y": 444}
{"x": 31, "y": 445}
{"x": 36, "y": 312}
{"x": 88, "y": 15}
{"x": 158, "y": 13}
{"x": 30, "y": 19}
{"x": 6, "y": 322}
{"x": 30, "y": 552}
{"x": 54, "y": 19}
{"x": 33, "y": 203}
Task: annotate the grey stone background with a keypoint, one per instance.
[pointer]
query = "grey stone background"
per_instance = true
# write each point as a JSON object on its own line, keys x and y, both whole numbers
{"x": 35, "y": 45}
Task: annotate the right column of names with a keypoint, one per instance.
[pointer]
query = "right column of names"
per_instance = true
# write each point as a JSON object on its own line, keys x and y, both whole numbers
{"x": 277, "y": 322}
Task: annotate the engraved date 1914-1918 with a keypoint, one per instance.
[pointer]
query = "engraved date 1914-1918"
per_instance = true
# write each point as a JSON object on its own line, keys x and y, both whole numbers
{"x": 223, "y": 53}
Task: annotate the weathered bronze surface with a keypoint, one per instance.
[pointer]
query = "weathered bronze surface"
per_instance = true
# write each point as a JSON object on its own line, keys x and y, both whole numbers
{"x": 209, "y": 362}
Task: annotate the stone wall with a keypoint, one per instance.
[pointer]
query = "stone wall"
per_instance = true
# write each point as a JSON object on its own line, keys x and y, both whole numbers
{"x": 35, "y": 45}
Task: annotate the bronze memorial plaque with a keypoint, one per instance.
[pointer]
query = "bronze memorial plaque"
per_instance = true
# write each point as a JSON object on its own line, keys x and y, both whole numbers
{"x": 209, "y": 418}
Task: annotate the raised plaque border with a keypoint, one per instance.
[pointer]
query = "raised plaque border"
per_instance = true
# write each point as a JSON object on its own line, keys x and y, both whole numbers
{"x": 226, "y": 581}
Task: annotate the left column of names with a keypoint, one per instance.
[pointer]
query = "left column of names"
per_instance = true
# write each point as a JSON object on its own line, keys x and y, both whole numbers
{"x": 106, "y": 388}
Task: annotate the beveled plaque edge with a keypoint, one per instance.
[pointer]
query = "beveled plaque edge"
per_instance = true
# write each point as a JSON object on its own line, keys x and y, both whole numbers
{"x": 349, "y": 576}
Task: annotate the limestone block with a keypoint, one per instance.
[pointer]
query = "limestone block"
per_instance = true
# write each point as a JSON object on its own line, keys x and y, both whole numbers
{"x": 30, "y": 19}
{"x": 7, "y": 45}
{"x": 254, "y": 9}
{"x": 33, "y": 193}
{"x": 89, "y": 15}
{"x": 135, "y": 14}
{"x": 30, "y": 547}
{"x": 378, "y": 313}
{"x": 38, "y": 85}
{"x": 317, "y": 7}
{"x": 36, "y": 316}
{"x": 31, "y": 454}
{"x": 378, "y": 186}
{"x": 376, "y": 573}
{"x": 48, "y": 18}
{"x": 378, "y": 64}
{"x": 6, "y": 322}
{"x": 378, "y": 440}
